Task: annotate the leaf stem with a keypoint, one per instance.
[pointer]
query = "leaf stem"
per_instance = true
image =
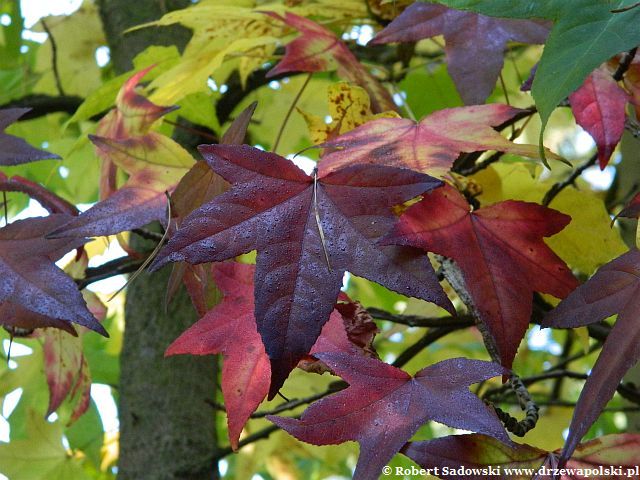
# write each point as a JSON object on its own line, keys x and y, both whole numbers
{"x": 289, "y": 112}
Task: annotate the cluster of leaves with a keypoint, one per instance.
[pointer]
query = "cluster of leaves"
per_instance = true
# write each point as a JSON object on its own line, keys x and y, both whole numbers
{"x": 389, "y": 198}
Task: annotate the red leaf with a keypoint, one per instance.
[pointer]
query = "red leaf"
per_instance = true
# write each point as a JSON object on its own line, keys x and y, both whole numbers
{"x": 468, "y": 457}
{"x": 319, "y": 50}
{"x": 632, "y": 209}
{"x": 384, "y": 406}
{"x": 14, "y": 150}
{"x": 599, "y": 108}
{"x": 29, "y": 277}
{"x": 500, "y": 252}
{"x": 230, "y": 329}
{"x": 614, "y": 288}
{"x": 475, "y": 44}
{"x": 430, "y": 145}
{"x": 274, "y": 208}
{"x": 67, "y": 371}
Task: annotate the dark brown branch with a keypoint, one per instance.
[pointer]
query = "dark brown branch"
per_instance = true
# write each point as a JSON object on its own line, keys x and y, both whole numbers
{"x": 432, "y": 336}
{"x": 54, "y": 58}
{"x": 625, "y": 63}
{"x": 254, "y": 437}
{"x": 417, "y": 321}
{"x": 556, "y": 188}
{"x": 147, "y": 234}
{"x": 110, "y": 269}
{"x": 42, "y": 105}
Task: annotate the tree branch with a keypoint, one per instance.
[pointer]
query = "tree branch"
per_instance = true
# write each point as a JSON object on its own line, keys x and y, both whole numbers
{"x": 556, "y": 188}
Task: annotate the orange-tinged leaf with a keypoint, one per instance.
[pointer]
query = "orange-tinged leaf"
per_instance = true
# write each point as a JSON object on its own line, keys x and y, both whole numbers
{"x": 154, "y": 162}
{"x": 317, "y": 49}
{"x": 349, "y": 107}
{"x": 500, "y": 252}
{"x": 430, "y": 145}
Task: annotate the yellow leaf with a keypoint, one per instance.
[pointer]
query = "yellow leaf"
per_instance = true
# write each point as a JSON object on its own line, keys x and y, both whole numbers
{"x": 349, "y": 107}
{"x": 77, "y": 37}
{"x": 583, "y": 337}
{"x": 215, "y": 42}
{"x": 587, "y": 242}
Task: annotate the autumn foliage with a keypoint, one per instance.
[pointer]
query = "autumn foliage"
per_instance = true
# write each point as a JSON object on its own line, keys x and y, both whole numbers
{"x": 460, "y": 221}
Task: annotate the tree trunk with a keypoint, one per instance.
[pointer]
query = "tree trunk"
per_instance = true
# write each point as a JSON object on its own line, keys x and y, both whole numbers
{"x": 167, "y": 425}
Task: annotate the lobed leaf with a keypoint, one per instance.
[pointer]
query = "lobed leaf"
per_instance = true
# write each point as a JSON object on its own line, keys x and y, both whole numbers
{"x": 307, "y": 233}
{"x": 384, "y": 406}
{"x": 500, "y": 252}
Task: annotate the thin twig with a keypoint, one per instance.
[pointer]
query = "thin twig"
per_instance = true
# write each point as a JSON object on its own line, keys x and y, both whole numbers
{"x": 147, "y": 234}
{"x": 418, "y": 321}
{"x": 54, "y": 58}
{"x": 118, "y": 266}
{"x": 431, "y": 336}
{"x": 289, "y": 112}
{"x": 195, "y": 131}
{"x": 556, "y": 188}
{"x": 260, "y": 435}
{"x": 625, "y": 9}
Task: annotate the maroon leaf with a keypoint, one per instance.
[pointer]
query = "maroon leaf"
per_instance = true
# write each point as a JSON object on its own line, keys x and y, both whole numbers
{"x": 632, "y": 209}
{"x": 14, "y": 150}
{"x": 29, "y": 277}
{"x": 384, "y": 406}
{"x": 318, "y": 50}
{"x": 230, "y": 329}
{"x": 475, "y": 44}
{"x": 599, "y": 108}
{"x": 614, "y": 288}
{"x": 500, "y": 252}
{"x": 274, "y": 208}
{"x": 15, "y": 318}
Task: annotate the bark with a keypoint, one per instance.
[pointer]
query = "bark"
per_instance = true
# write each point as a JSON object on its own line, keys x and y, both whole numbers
{"x": 167, "y": 426}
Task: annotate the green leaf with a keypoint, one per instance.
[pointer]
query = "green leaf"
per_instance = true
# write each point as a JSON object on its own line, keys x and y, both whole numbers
{"x": 585, "y": 34}
{"x": 41, "y": 456}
